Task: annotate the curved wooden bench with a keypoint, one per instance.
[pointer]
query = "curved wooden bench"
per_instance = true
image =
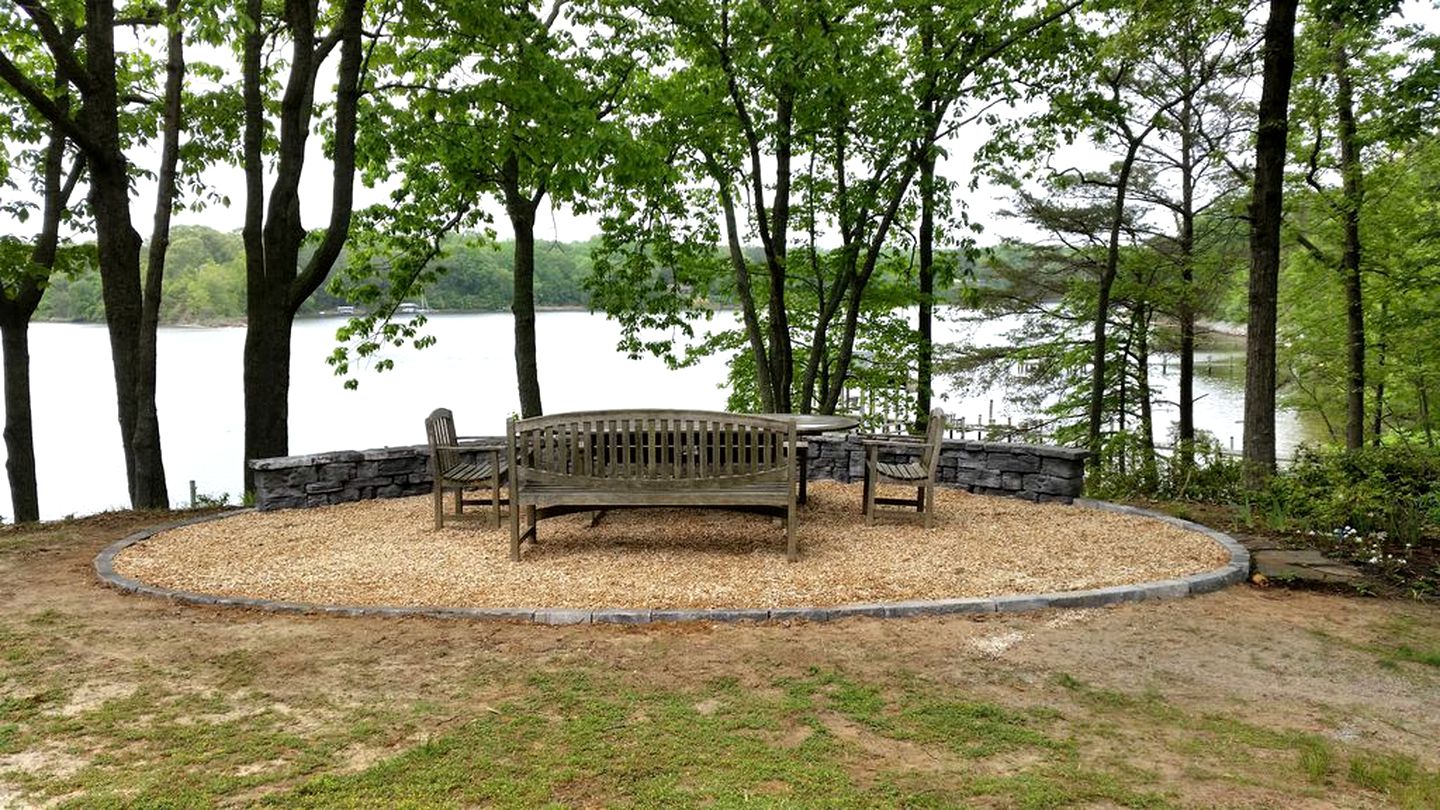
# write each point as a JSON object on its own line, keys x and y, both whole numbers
{"x": 596, "y": 460}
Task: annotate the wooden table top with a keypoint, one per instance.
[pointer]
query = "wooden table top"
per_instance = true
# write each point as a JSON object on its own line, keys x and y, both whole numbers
{"x": 811, "y": 423}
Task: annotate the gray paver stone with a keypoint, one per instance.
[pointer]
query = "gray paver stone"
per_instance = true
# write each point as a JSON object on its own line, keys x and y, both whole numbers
{"x": 562, "y": 616}
{"x": 621, "y": 616}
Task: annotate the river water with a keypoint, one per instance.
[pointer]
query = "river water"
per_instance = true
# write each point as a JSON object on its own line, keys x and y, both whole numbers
{"x": 470, "y": 370}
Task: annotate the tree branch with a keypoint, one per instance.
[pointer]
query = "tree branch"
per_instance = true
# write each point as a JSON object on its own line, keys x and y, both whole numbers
{"x": 60, "y": 47}
{"x": 45, "y": 105}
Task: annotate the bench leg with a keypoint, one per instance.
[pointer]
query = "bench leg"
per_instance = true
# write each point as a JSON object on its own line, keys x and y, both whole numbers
{"x": 870, "y": 485}
{"x": 495, "y": 492}
{"x": 439, "y": 498}
{"x": 802, "y": 457}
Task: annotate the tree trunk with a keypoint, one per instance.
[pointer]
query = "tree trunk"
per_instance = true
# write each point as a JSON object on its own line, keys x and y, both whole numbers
{"x": 1185, "y": 439}
{"x": 1378, "y": 423}
{"x": 763, "y": 383}
{"x": 924, "y": 363}
{"x": 1352, "y": 188}
{"x": 19, "y": 430}
{"x": 275, "y": 285}
{"x": 782, "y": 366}
{"x": 147, "y": 427}
{"x": 522, "y": 218}
{"x": 1102, "y": 304}
{"x": 118, "y": 246}
{"x": 16, "y": 310}
{"x": 1265, "y": 213}
{"x": 1423, "y": 393}
{"x": 266, "y": 378}
{"x": 1142, "y": 392}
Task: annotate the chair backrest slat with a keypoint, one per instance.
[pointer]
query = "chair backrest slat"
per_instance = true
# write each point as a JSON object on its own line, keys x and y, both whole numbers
{"x": 934, "y": 437}
{"x": 440, "y": 434}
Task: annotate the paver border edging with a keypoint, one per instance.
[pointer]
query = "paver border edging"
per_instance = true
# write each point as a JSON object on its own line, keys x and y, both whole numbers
{"x": 1236, "y": 571}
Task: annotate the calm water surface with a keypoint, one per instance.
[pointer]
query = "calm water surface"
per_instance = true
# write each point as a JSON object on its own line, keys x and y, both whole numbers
{"x": 470, "y": 370}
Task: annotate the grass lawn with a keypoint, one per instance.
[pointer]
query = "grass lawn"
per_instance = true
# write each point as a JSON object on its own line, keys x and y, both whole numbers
{"x": 1251, "y": 697}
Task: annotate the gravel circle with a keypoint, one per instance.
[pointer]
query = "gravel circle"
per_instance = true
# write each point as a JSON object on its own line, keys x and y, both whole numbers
{"x": 386, "y": 552}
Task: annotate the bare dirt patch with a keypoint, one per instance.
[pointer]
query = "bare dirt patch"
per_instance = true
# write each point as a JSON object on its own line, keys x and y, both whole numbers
{"x": 387, "y": 553}
{"x": 1290, "y": 661}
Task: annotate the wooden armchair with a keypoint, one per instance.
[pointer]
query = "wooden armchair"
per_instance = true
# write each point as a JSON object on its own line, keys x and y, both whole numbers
{"x": 919, "y": 473}
{"x": 453, "y": 472}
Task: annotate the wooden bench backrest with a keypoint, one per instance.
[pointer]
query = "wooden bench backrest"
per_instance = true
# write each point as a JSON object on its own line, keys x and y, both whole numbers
{"x": 440, "y": 433}
{"x": 652, "y": 449}
{"x": 934, "y": 437}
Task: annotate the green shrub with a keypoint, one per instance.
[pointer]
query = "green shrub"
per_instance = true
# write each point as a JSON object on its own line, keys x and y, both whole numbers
{"x": 1128, "y": 470}
{"x": 1391, "y": 492}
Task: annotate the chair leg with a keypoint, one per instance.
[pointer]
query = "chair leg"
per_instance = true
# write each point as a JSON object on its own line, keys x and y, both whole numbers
{"x": 870, "y": 485}
{"x": 927, "y": 499}
{"x": 495, "y": 493}
{"x": 920, "y": 499}
{"x": 439, "y": 498}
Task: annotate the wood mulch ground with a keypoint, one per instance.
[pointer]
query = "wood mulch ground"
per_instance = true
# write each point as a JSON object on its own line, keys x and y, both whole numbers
{"x": 387, "y": 553}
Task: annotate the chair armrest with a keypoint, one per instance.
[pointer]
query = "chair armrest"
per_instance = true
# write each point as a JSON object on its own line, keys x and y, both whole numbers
{"x": 470, "y": 448}
{"x": 479, "y": 443}
{"x": 877, "y": 440}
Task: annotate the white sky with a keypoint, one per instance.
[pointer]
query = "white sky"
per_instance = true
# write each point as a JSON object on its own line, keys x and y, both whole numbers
{"x": 561, "y": 224}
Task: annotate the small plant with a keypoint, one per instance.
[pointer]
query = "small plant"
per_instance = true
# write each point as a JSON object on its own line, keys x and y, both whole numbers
{"x": 202, "y": 500}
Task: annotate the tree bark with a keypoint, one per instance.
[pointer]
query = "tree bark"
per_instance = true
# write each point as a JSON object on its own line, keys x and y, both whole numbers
{"x": 924, "y": 363}
{"x": 118, "y": 246}
{"x": 1102, "y": 303}
{"x": 19, "y": 428}
{"x": 743, "y": 289}
{"x": 16, "y": 310}
{"x": 1352, "y": 189}
{"x": 1265, "y": 213}
{"x": 276, "y": 286}
{"x": 147, "y": 428}
{"x": 521, "y": 211}
{"x": 1423, "y": 394}
{"x": 1185, "y": 451}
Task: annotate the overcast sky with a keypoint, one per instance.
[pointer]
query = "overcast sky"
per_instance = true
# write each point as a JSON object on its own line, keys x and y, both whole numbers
{"x": 560, "y": 224}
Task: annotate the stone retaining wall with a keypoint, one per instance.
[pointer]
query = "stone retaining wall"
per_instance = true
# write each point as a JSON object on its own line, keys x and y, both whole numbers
{"x": 1033, "y": 472}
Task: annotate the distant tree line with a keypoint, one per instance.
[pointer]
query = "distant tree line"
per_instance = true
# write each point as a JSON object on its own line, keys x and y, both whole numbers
{"x": 205, "y": 280}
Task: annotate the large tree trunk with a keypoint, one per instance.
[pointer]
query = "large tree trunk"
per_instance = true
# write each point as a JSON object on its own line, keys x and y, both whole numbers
{"x": 275, "y": 284}
{"x": 147, "y": 427}
{"x": 1265, "y": 212}
{"x": 118, "y": 246}
{"x": 1352, "y": 187}
{"x": 782, "y": 367}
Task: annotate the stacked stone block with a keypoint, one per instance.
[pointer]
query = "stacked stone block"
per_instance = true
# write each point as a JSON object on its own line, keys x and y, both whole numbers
{"x": 1032, "y": 472}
